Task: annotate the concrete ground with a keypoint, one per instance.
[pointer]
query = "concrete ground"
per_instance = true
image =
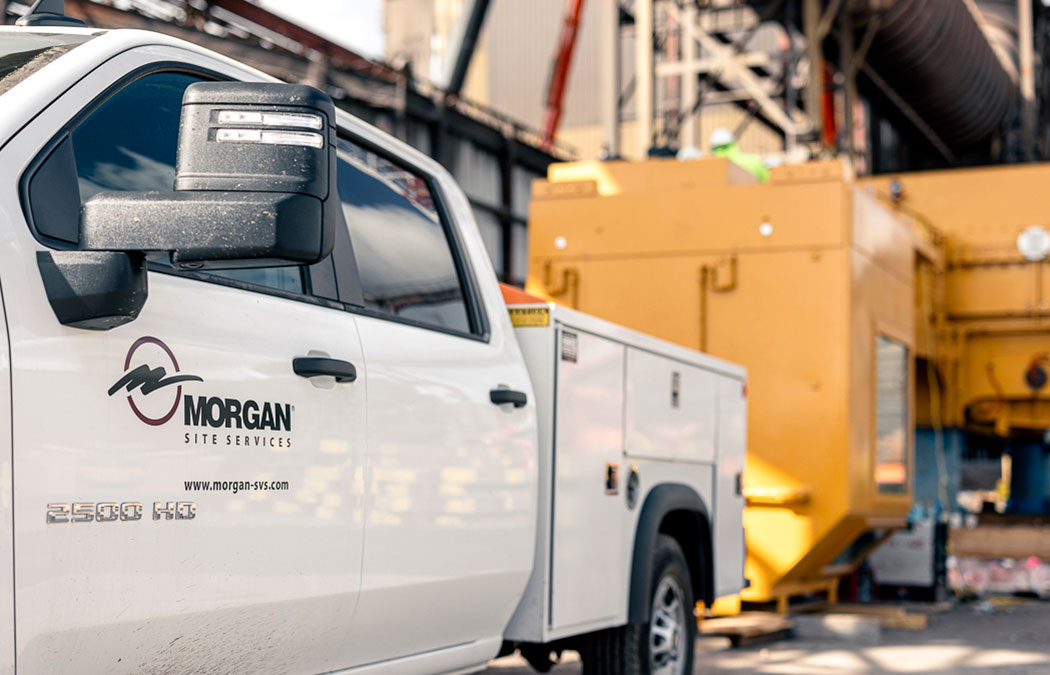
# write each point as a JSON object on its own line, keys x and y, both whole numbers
{"x": 1009, "y": 638}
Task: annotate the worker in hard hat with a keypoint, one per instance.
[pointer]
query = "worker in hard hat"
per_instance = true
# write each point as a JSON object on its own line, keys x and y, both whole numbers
{"x": 723, "y": 144}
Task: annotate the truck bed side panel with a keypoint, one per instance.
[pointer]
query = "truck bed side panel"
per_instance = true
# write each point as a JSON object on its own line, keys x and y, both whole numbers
{"x": 729, "y": 502}
{"x": 608, "y": 396}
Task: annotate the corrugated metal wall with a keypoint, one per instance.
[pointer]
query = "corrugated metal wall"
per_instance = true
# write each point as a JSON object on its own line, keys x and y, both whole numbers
{"x": 522, "y": 37}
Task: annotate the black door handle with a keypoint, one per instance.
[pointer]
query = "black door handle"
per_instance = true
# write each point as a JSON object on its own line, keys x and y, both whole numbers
{"x": 316, "y": 366}
{"x": 500, "y": 396}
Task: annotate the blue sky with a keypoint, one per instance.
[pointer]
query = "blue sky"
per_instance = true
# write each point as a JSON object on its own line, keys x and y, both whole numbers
{"x": 354, "y": 24}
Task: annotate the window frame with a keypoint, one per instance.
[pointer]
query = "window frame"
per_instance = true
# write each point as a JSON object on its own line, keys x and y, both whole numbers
{"x": 476, "y": 315}
{"x": 66, "y": 130}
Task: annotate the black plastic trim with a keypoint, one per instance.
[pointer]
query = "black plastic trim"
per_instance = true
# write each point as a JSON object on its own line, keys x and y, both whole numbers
{"x": 93, "y": 290}
{"x": 53, "y": 196}
{"x": 344, "y": 262}
{"x": 661, "y": 501}
{"x": 376, "y": 314}
{"x": 476, "y": 307}
{"x": 501, "y": 396}
{"x": 245, "y": 286}
{"x": 320, "y": 280}
{"x": 319, "y": 366}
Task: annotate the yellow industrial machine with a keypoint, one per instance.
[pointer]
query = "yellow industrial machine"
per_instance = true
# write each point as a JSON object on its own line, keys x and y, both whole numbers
{"x": 810, "y": 281}
{"x": 990, "y": 310}
{"x": 991, "y": 304}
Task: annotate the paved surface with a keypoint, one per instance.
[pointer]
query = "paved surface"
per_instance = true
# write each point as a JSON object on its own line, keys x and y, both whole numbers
{"x": 1011, "y": 639}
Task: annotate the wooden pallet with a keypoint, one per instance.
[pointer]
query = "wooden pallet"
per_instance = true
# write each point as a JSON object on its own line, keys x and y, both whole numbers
{"x": 889, "y": 616}
{"x": 748, "y": 628}
{"x": 994, "y": 542}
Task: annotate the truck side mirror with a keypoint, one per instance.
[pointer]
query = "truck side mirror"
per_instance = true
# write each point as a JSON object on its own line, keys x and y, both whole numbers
{"x": 254, "y": 187}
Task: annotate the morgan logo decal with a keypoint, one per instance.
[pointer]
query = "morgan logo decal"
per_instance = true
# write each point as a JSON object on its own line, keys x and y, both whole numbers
{"x": 142, "y": 380}
{"x": 153, "y": 382}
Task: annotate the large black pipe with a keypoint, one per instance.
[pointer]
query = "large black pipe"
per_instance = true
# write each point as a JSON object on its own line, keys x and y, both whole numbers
{"x": 466, "y": 46}
{"x": 933, "y": 53}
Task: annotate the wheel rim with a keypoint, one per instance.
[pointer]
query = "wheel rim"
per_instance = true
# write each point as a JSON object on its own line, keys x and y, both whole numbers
{"x": 668, "y": 630}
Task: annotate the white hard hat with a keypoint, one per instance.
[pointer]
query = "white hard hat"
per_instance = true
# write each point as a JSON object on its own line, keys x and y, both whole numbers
{"x": 722, "y": 136}
{"x": 689, "y": 152}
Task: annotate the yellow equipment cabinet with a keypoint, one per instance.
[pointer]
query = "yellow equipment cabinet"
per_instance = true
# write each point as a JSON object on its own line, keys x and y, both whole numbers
{"x": 808, "y": 281}
{"x": 990, "y": 363}
{"x": 991, "y": 305}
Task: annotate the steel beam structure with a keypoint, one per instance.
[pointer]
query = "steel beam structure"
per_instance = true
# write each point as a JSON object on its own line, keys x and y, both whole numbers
{"x": 643, "y": 69}
{"x": 710, "y": 62}
{"x": 610, "y": 74}
{"x": 463, "y": 46}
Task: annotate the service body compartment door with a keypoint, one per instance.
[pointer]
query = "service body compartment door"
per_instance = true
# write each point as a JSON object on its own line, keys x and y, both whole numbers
{"x": 670, "y": 409}
{"x": 185, "y": 502}
{"x": 729, "y": 502}
{"x": 589, "y": 555}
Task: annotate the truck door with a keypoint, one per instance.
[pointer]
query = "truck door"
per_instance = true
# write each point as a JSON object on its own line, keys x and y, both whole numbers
{"x": 7, "y": 609}
{"x": 183, "y": 499}
{"x": 450, "y": 494}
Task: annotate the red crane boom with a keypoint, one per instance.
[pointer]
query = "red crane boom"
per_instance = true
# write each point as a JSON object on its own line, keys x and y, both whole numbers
{"x": 560, "y": 72}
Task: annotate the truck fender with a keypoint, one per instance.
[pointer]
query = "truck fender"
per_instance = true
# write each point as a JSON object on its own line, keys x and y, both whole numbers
{"x": 692, "y": 523}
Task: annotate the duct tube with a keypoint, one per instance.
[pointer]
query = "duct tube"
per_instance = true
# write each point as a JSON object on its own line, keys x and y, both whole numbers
{"x": 933, "y": 53}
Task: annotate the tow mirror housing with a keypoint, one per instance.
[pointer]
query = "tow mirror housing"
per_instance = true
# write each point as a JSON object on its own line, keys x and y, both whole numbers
{"x": 254, "y": 183}
{"x": 254, "y": 187}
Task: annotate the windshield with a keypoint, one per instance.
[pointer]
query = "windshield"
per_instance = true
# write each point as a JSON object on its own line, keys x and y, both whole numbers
{"x": 22, "y": 54}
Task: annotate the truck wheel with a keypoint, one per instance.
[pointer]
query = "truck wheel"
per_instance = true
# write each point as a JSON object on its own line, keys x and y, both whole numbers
{"x": 671, "y": 632}
{"x": 664, "y": 645}
{"x": 539, "y": 656}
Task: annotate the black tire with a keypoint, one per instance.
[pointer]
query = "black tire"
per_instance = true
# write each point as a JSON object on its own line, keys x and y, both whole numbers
{"x": 629, "y": 650}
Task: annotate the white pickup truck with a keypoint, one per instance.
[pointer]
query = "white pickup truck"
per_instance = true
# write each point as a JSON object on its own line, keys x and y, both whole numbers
{"x": 279, "y": 419}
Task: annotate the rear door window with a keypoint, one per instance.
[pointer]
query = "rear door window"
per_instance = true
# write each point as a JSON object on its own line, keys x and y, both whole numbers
{"x": 402, "y": 247}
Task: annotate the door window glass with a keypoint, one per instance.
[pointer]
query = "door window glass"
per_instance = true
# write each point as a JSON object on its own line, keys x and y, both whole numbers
{"x": 401, "y": 245}
{"x": 129, "y": 143}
